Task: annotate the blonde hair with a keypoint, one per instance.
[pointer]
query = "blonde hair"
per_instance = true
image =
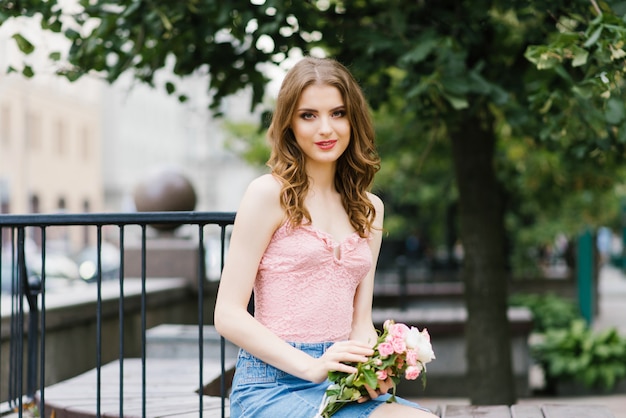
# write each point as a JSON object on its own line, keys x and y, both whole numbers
{"x": 356, "y": 166}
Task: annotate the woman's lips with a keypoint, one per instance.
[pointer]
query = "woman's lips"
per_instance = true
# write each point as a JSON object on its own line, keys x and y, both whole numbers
{"x": 326, "y": 145}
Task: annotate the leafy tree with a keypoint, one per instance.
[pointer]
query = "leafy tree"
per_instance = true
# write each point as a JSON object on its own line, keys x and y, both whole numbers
{"x": 508, "y": 87}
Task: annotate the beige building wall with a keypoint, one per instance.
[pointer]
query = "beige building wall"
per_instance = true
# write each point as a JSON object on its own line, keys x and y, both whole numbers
{"x": 50, "y": 137}
{"x": 50, "y": 151}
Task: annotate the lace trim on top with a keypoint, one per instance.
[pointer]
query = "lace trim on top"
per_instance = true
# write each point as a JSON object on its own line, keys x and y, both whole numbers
{"x": 304, "y": 290}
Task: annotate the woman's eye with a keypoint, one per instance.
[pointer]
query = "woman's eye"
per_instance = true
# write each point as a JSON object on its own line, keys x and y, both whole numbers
{"x": 307, "y": 116}
{"x": 339, "y": 113}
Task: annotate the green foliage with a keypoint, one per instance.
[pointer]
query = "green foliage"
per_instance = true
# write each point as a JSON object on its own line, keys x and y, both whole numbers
{"x": 566, "y": 346}
{"x": 597, "y": 360}
{"x": 247, "y": 140}
{"x": 416, "y": 178}
{"x": 216, "y": 38}
{"x": 549, "y": 311}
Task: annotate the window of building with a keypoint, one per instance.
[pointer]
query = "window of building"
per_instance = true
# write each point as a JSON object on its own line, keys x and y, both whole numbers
{"x": 33, "y": 202}
{"x": 35, "y": 207}
{"x": 33, "y": 131}
{"x": 4, "y": 195}
{"x": 60, "y": 137}
{"x": 5, "y": 125}
{"x": 85, "y": 143}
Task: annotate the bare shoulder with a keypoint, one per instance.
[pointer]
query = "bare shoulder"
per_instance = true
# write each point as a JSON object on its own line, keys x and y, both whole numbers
{"x": 377, "y": 202}
{"x": 262, "y": 199}
{"x": 380, "y": 209}
{"x": 265, "y": 186}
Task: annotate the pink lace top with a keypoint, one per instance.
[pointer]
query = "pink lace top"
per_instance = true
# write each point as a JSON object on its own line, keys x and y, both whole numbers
{"x": 304, "y": 292}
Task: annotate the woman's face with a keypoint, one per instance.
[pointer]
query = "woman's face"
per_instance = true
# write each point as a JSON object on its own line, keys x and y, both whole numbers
{"x": 320, "y": 124}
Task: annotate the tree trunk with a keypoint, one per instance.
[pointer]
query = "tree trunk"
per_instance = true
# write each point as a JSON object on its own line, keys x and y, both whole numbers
{"x": 487, "y": 331}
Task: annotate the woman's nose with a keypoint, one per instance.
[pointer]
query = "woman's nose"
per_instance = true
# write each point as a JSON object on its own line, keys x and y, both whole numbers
{"x": 325, "y": 125}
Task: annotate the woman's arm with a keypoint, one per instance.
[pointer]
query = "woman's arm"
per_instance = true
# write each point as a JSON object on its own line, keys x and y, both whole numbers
{"x": 259, "y": 215}
{"x": 362, "y": 326}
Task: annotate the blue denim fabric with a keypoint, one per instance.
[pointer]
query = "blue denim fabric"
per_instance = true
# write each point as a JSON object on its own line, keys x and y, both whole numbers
{"x": 263, "y": 391}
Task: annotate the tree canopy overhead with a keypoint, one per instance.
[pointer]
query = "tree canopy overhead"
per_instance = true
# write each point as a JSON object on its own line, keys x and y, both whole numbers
{"x": 524, "y": 97}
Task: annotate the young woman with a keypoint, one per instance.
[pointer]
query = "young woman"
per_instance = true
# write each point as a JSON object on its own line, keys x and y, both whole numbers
{"x": 306, "y": 239}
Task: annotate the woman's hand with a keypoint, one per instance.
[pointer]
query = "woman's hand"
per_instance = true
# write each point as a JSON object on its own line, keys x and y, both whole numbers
{"x": 383, "y": 387}
{"x": 335, "y": 357}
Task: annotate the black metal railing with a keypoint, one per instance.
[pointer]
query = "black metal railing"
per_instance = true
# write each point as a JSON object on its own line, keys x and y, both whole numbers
{"x": 28, "y": 294}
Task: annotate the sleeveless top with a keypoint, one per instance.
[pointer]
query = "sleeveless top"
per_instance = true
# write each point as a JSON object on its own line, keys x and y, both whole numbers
{"x": 306, "y": 282}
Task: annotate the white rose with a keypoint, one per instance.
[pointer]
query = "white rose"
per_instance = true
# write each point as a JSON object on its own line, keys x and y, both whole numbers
{"x": 424, "y": 349}
{"x": 412, "y": 338}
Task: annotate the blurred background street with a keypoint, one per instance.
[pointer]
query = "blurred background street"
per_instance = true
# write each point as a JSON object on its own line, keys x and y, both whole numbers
{"x": 611, "y": 314}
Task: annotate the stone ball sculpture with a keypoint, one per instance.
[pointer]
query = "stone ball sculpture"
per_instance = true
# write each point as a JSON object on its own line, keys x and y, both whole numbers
{"x": 165, "y": 190}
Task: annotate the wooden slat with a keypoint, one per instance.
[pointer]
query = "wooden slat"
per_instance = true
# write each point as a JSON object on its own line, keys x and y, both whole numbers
{"x": 171, "y": 391}
{"x": 576, "y": 411}
{"x": 476, "y": 411}
{"x": 526, "y": 411}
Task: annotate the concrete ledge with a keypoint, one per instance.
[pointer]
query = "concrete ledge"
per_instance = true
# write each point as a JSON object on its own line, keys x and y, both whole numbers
{"x": 71, "y": 323}
{"x": 171, "y": 389}
{"x": 181, "y": 341}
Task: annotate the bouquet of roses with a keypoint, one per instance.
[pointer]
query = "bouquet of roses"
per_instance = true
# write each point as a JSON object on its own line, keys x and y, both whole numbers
{"x": 399, "y": 351}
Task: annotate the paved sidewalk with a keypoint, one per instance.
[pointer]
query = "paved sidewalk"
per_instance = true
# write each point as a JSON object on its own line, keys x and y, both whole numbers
{"x": 612, "y": 300}
{"x": 616, "y": 404}
{"x": 612, "y": 313}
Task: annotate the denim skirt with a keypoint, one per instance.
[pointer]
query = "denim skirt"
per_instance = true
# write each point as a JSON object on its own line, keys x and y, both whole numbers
{"x": 263, "y": 391}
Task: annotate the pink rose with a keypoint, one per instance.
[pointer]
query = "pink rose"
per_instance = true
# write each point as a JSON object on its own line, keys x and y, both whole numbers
{"x": 398, "y": 331}
{"x": 381, "y": 374}
{"x": 385, "y": 349}
{"x": 388, "y": 323}
{"x": 412, "y": 373}
{"x": 399, "y": 346}
{"x": 411, "y": 357}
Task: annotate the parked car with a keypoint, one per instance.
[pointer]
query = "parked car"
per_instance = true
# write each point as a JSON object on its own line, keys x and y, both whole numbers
{"x": 87, "y": 261}
{"x": 61, "y": 272}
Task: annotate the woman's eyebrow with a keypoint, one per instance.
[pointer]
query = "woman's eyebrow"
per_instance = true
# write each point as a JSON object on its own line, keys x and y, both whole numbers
{"x": 306, "y": 109}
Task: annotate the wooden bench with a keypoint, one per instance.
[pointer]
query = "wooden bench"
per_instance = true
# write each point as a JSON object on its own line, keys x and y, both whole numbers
{"x": 172, "y": 390}
{"x": 527, "y": 411}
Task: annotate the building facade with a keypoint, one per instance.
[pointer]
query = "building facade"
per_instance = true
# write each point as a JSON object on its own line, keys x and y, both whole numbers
{"x": 85, "y": 146}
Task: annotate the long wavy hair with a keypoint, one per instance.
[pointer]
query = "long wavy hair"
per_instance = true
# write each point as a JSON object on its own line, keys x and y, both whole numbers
{"x": 356, "y": 166}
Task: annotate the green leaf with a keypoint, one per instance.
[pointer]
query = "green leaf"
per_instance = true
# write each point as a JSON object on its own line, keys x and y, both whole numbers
{"x": 370, "y": 378}
{"x": 23, "y": 44}
{"x": 457, "y": 102}
{"x": 27, "y": 71}
{"x": 71, "y": 34}
{"x": 542, "y": 56}
{"x": 615, "y": 112}
{"x": 419, "y": 52}
{"x": 580, "y": 56}
{"x": 594, "y": 37}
